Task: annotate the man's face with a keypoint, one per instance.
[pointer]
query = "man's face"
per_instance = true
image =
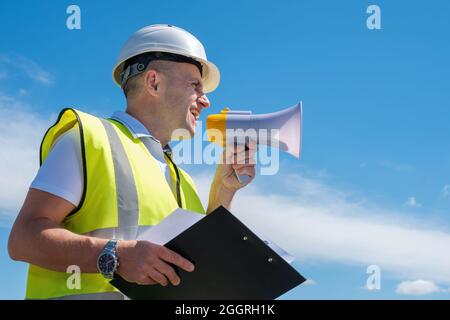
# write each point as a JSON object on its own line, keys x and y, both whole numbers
{"x": 183, "y": 96}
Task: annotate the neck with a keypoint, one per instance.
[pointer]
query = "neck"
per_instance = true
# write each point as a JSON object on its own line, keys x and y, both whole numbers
{"x": 150, "y": 119}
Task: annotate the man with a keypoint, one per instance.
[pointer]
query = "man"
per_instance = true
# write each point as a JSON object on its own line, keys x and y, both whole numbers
{"x": 102, "y": 182}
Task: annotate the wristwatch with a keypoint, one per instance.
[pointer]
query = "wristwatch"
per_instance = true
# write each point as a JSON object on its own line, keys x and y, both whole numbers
{"x": 107, "y": 261}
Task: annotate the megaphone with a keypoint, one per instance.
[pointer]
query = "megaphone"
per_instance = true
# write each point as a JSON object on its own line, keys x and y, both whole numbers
{"x": 281, "y": 129}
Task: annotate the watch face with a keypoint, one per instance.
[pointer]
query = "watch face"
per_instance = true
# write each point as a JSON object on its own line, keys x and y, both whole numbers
{"x": 106, "y": 263}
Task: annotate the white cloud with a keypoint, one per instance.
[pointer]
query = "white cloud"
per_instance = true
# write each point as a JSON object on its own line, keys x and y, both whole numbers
{"x": 27, "y": 67}
{"x": 318, "y": 223}
{"x": 21, "y": 132}
{"x": 412, "y": 202}
{"x": 309, "y": 282}
{"x": 417, "y": 287}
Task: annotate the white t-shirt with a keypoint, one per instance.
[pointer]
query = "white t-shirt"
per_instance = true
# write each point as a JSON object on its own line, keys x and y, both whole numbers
{"x": 61, "y": 173}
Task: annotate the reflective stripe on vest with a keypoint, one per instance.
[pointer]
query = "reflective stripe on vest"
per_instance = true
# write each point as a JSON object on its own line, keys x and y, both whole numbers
{"x": 127, "y": 201}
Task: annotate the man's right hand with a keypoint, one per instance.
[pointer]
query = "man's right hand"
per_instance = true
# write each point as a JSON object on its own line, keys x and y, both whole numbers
{"x": 147, "y": 263}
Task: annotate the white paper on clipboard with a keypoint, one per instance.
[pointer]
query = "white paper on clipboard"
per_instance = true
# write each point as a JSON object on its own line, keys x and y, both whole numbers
{"x": 180, "y": 220}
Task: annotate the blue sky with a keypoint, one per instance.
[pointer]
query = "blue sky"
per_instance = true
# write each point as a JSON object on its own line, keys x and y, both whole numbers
{"x": 373, "y": 182}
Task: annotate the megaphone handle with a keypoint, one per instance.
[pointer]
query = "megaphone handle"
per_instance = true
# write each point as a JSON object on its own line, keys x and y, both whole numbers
{"x": 242, "y": 178}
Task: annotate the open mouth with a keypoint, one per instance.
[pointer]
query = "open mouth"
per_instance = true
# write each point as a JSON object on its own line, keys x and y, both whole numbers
{"x": 195, "y": 113}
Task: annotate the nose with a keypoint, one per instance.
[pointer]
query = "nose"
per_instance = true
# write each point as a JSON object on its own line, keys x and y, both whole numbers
{"x": 203, "y": 102}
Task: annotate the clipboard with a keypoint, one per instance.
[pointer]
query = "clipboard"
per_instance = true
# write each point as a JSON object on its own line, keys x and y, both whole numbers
{"x": 231, "y": 263}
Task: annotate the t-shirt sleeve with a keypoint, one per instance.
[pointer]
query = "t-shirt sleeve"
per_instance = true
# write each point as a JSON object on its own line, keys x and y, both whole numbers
{"x": 61, "y": 174}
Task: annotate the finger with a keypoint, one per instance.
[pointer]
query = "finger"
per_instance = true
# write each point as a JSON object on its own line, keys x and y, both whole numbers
{"x": 247, "y": 170}
{"x": 249, "y": 145}
{"x": 174, "y": 258}
{"x": 252, "y": 145}
{"x": 245, "y": 175}
{"x": 158, "y": 277}
{"x": 227, "y": 156}
{"x": 245, "y": 158}
{"x": 151, "y": 281}
{"x": 241, "y": 158}
{"x": 251, "y": 152}
{"x": 247, "y": 152}
{"x": 169, "y": 272}
{"x": 240, "y": 166}
{"x": 146, "y": 280}
{"x": 232, "y": 150}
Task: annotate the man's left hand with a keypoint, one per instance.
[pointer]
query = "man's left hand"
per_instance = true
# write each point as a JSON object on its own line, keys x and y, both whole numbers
{"x": 236, "y": 160}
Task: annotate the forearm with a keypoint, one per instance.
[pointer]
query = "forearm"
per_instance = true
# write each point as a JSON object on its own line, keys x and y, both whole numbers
{"x": 44, "y": 243}
{"x": 219, "y": 196}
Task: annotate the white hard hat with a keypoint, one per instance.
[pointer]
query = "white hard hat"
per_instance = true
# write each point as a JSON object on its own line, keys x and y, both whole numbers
{"x": 169, "y": 39}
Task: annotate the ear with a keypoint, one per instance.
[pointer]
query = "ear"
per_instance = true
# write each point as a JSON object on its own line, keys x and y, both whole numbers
{"x": 152, "y": 81}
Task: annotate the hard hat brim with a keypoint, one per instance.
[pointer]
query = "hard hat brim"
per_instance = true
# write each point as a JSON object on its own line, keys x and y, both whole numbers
{"x": 211, "y": 76}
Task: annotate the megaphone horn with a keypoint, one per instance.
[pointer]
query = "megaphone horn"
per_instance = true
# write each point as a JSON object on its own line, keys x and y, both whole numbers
{"x": 281, "y": 129}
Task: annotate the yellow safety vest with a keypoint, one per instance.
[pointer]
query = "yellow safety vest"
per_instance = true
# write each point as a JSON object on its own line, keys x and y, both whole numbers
{"x": 124, "y": 191}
